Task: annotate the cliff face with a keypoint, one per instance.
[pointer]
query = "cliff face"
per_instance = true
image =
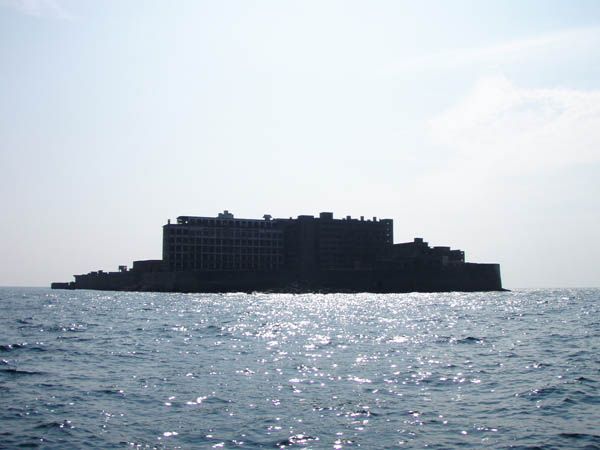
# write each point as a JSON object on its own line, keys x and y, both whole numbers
{"x": 461, "y": 277}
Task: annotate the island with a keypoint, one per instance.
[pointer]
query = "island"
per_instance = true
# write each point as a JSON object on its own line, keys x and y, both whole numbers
{"x": 293, "y": 255}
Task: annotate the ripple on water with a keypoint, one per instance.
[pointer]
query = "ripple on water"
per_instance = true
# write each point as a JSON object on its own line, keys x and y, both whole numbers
{"x": 316, "y": 371}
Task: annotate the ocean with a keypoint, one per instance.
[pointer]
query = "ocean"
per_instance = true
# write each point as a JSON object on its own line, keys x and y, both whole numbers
{"x": 89, "y": 369}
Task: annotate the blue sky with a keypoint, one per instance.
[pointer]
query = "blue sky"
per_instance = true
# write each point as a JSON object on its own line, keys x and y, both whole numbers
{"x": 471, "y": 124}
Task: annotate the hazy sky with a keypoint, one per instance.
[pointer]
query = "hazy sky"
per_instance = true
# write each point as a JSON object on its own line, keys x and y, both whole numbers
{"x": 471, "y": 124}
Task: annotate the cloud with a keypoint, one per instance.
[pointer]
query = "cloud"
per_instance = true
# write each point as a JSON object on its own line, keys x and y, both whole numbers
{"x": 501, "y": 127}
{"x": 519, "y": 184}
{"x": 509, "y": 152}
{"x": 511, "y": 51}
{"x": 39, "y": 8}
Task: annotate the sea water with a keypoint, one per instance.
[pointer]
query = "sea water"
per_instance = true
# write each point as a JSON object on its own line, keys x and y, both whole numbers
{"x": 85, "y": 369}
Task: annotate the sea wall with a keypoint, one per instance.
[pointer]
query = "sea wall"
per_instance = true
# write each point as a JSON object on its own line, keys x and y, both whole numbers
{"x": 460, "y": 277}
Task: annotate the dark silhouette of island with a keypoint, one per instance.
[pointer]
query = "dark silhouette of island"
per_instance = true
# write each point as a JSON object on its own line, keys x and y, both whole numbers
{"x": 305, "y": 254}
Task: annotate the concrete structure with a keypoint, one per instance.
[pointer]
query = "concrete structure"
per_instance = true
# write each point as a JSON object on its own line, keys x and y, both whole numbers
{"x": 419, "y": 252}
{"x": 306, "y": 254}
{"x": 311, "y": 243}
{"x": 325, "y": 243}
{"x": 222, "y": 243}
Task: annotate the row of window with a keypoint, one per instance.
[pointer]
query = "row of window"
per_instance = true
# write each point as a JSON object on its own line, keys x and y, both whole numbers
{"x": 212, "y": 241}
{"x": 223, "y": 266}
{"x": 216, "y": 232}
{"x": 245, "y": 252}
{"x": 215, "y": 223}
{"x": 209, "y": 257}
{"x": 209, "y": 262}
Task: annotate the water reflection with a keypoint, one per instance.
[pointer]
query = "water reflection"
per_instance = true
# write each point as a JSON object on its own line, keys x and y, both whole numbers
{"x": 314, "y": 371}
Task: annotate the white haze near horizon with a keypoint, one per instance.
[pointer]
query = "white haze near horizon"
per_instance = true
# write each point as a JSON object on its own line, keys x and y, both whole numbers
{"x": 471, "y": 124}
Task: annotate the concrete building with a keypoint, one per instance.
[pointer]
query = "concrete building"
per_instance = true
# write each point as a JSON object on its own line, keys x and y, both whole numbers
{"x": 222, "y": 243}
{"x": 303, "y": 244}
{"x": 419, "y": 252}
{"x": 326, "y": 243}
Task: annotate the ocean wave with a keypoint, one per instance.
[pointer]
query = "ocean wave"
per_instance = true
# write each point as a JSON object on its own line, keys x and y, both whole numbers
{"x": 17, "y": 372}
{"x": 415, "y": 370}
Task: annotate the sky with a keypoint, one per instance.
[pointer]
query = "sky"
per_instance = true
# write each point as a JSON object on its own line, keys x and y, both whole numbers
{"x": 472, "y": 124}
